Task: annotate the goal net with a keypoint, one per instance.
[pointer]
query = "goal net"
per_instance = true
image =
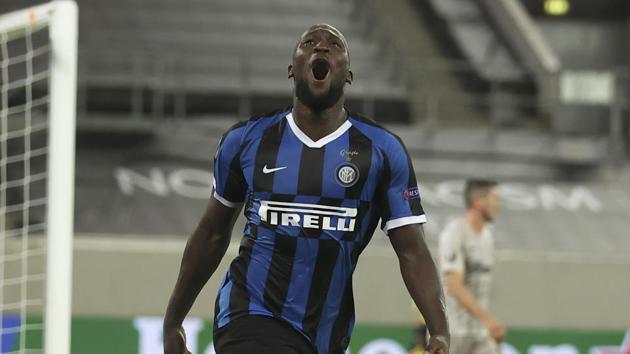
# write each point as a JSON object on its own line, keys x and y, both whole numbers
{"x": 38, "y": 50}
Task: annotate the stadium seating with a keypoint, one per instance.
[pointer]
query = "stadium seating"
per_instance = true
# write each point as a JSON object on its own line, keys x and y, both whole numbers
{"x": 237, "y": 48}
{"x": 477, "y": 40}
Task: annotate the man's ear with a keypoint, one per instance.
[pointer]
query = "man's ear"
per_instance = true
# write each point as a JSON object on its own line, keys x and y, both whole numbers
{"x": 290, "y": 71}
{"x": 350, "y": 77}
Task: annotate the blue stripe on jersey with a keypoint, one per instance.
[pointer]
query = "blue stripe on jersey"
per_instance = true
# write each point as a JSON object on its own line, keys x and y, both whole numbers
{"x": 397, "y": 157}
{"x": 259, "y": 268}
{"x": 247, "y": 165}
{"x": 303, "y": 267}
{"x": 224, "y": 302}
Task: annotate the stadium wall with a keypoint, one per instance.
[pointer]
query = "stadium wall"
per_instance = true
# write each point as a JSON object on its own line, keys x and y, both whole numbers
{"x": 121, "y": 287}
{"x": 116, "y": 277}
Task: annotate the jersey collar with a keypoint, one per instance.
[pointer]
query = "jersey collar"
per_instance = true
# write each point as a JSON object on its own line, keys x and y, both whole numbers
{"x": 321, "y": 142}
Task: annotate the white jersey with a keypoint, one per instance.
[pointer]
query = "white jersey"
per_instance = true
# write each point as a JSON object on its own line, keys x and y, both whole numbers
{"x": 464, "y": 250}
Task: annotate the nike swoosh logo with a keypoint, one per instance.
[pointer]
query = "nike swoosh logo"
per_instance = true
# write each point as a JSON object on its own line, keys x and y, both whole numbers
{"x": 272, "y": 170}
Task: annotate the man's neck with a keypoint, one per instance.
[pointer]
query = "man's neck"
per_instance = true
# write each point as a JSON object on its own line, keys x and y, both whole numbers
{"x": 475, "y": 220}
{"x": 317, "y": 125}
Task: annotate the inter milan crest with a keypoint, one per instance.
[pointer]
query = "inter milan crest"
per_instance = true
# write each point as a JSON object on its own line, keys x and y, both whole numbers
{"x": 347, "y": 174}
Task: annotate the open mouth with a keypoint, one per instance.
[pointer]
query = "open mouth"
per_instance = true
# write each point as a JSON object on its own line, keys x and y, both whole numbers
{"x": 320, "y": 68}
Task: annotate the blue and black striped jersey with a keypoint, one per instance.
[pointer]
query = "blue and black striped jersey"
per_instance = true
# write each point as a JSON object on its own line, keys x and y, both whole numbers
{"x": 311, "y": 209}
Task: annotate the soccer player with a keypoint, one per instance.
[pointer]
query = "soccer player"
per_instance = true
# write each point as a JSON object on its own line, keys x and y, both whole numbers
{"x": 466, "y": 259}
{"x": 314, "y": 180}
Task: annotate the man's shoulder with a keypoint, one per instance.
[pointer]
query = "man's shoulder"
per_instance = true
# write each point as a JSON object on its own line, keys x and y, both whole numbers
{"x": 256, "y": 124}
{"x": 376, "y": 132}
{"x": 453, "y": 229}
{"x": 268, "y": 116}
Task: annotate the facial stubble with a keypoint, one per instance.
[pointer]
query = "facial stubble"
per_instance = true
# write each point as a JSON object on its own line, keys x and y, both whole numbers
{"x": 318, "y": 103}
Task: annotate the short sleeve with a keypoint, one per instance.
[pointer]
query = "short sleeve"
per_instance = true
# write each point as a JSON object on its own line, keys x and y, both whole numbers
{"x": 229, "y": 183}
{"x": 451, "y": 252}
{"x": 399, "y": 195}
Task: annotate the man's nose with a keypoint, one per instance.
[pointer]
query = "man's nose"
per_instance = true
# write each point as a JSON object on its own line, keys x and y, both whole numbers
{"x": 321, "y": 47}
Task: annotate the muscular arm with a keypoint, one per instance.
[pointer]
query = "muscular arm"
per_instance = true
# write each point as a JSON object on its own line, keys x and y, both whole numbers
{"x": 204, "y": 251}
{"x": 420, "y": 277}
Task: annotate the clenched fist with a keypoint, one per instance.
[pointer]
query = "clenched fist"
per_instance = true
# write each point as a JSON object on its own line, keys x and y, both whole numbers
{"x": 175, "y": 341}
{"x": 437, "y": 345}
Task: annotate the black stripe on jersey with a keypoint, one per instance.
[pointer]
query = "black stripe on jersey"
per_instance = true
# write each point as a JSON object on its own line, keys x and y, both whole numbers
{"x": 279, "y": 275}
{"x": 249, "y": 202}
{"x": 339, "y": 339}
{"x": 310, "y": 233}
{"x": 364, "y": 119}
{"x": 331, "y": 202}
{"x": 239, "y": 297}
{"x": 279, "y": 197}
{"x": 253, "y": 230}
{"x": 236, "y": 186}
{"x": 363, "y": 146}
{"x": 311, "y": 171}
{"x": 364, "y": 206}
{"x": 317, "y": 233}
{"x": 266, "y": 156}
{"x": 381, "y": 189}
{"x": 415, "y": 204}
{"x": 324, "y": 266}
{"x": 369, "y": 233}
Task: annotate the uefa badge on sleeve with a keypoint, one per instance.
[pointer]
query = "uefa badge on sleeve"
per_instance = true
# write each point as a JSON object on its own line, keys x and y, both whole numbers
{"x": 411, "y": 193}
{"x": 347, "y": 174}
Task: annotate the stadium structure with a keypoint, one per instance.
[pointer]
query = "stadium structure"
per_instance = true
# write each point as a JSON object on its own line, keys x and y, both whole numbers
{"x": 534, "y": 93}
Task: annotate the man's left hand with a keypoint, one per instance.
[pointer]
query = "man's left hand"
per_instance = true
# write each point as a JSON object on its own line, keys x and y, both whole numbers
{"x": 437, "y": 345}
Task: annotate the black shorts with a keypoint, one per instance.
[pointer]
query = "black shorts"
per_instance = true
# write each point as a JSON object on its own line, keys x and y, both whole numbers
{"x": 260, "y": 335}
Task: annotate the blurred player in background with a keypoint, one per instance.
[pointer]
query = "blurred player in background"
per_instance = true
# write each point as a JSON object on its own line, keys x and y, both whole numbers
{"x": 466, "y": 259}
{"x": 315, "y": 181}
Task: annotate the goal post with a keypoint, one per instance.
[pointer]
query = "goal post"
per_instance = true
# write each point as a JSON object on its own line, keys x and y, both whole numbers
{"x": 61, "y": 19}
{"x": 63, "y": 88}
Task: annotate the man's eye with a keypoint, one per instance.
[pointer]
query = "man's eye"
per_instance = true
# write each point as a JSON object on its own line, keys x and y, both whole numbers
{"x": 336, "y": 44}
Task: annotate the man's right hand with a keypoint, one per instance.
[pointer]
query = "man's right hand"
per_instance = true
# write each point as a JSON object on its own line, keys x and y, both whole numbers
{"x": 202, "y": 255}
{"x": 496, "y": 329}
{"x": 175, "y": 341}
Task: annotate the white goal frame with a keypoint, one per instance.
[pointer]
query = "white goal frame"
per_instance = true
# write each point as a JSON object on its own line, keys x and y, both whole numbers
{"x": 62, "y": 17}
